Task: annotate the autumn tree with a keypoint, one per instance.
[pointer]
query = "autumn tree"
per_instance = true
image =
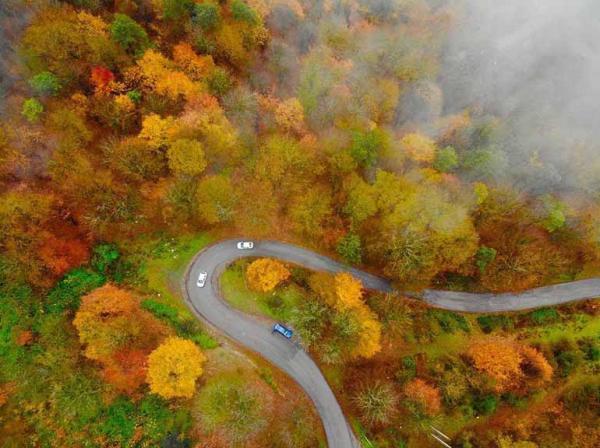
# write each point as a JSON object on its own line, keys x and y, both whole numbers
{"x": 110, "y": 319}
{"x": 289, "y": 116}
{"x": 186, "y": 157}
{"x": 425, "y": 397}
{"x": 174, "y": 367}
{"x": 419, "y": 147}
{"x": 118, "y": 334}
{"x": 265, "y": 274}
{"x": 215, "y": 199}
{"x": 66, "y": 43}
{"x": 344, "y": 293}
{"x": 423, "y": 229}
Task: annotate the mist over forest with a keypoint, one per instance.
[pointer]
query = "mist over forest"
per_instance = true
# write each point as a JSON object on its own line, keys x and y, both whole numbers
{"x": 536, "y": 64}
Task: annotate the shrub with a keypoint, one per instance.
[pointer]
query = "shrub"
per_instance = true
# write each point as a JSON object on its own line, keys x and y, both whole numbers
{"x": 485, "y": 404}
{"x": 489, "y": 323}
{"x": 583, "y": 398}
{"x": 119, "y": 423}
{"x": 161, "y": 310}
{"x": 543, "y": 316}
{"x": 450, "y": 322}
{"x": 590, "y": 349}
{"x": 423, "y": 397}
{"x": 104, "y": 256}
{"x": 67, "y": 292}
{"x": 376, "y": 402}
{"x": 408, "y": 369}
{"x": 484, "y": 256}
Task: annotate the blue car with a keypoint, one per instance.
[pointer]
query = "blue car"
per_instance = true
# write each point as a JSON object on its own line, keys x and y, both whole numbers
{"x": 278, "y": 328}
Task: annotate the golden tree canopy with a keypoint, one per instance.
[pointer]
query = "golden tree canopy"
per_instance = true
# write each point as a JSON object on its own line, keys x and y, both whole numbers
{"x": 419, "y": 147}
{"x": 264, "y": 274}
{"x": 174, "y": 367}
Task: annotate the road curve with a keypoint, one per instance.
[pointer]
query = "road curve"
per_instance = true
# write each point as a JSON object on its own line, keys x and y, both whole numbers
{"x": 207, "y": 304}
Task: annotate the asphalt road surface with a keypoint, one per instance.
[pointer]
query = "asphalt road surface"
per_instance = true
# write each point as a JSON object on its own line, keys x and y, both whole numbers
{"x": 256, "y": 335}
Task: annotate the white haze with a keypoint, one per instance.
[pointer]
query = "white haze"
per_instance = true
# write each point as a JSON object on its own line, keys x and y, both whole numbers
{"x": 535, "y": 63}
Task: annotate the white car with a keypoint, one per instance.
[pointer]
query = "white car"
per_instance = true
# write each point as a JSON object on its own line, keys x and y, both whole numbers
{"x": 245, "y": 245}
{"x": 202, "y": 279}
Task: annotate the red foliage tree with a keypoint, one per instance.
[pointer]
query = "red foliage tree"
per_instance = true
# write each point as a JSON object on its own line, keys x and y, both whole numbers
{"x": 101, "y": 78}
{"x": 126, "y": 370}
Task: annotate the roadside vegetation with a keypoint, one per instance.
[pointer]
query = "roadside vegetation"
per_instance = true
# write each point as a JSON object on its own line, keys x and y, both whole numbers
{"x": 135, "y": 132}
{"x": 474, "y": 377}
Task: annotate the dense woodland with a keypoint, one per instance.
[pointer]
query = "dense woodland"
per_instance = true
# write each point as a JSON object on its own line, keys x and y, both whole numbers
{"x": 126, "y": 125}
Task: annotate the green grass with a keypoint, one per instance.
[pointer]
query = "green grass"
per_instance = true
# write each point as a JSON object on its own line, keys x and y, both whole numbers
{"x": 277, "y": 305}
{"x": 167, "y": 264}
{"x": 162, "y": 272}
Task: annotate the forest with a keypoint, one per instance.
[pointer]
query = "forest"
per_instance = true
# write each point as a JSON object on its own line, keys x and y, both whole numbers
{"x": 133, "y": 133}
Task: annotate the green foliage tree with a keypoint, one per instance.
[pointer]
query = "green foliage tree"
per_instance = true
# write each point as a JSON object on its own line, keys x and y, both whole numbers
{"x": 176, "y": 10}
{"x": 484, "y": 256}
{"x": 119, "y": 421}
{"x": 244, "y": 13}
{"x": 220, "y": 81}
{"x": 104, "y": 257}
{"x": 207, "y": 15}
{"x": 67, "y": 292}
{"x": 366, "y": 146}
{"x": 130, "y": 35}
{"x": 446, "y": 160}
{"x": 349, "y": 247}
{"x": 45, "y": 83}
{"x": 32, "y": 109}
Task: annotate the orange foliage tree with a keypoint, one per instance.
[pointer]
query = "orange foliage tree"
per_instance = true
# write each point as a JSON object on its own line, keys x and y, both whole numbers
{"x": 425, "y": 396}
{"x": 508, "y": 363}
{"x": 174, "y": 367}
{"x": 118, "y": 334}
{"x": 265, "y": 274}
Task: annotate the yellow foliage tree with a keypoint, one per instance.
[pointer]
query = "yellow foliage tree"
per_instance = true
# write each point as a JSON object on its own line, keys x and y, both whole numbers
{"x": 186, "y": 157}
{"x": 174, "y": 367}
{"x": 156, "y": 131}
{"x": 419, "y": 147}
{"x": 265, "y": 274}
{"x": 160, "y": 75}
{"x": 344, "y": 293}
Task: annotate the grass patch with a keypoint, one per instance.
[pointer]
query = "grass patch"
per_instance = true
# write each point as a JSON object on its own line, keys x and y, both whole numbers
{"x": 277, "y": 305}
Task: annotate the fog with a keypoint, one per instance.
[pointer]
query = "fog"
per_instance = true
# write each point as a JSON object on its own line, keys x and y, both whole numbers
{"x": 535, "y": 63}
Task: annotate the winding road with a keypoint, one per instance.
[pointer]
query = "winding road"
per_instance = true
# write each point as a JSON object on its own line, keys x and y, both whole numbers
{"x": 208, "y": 305}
